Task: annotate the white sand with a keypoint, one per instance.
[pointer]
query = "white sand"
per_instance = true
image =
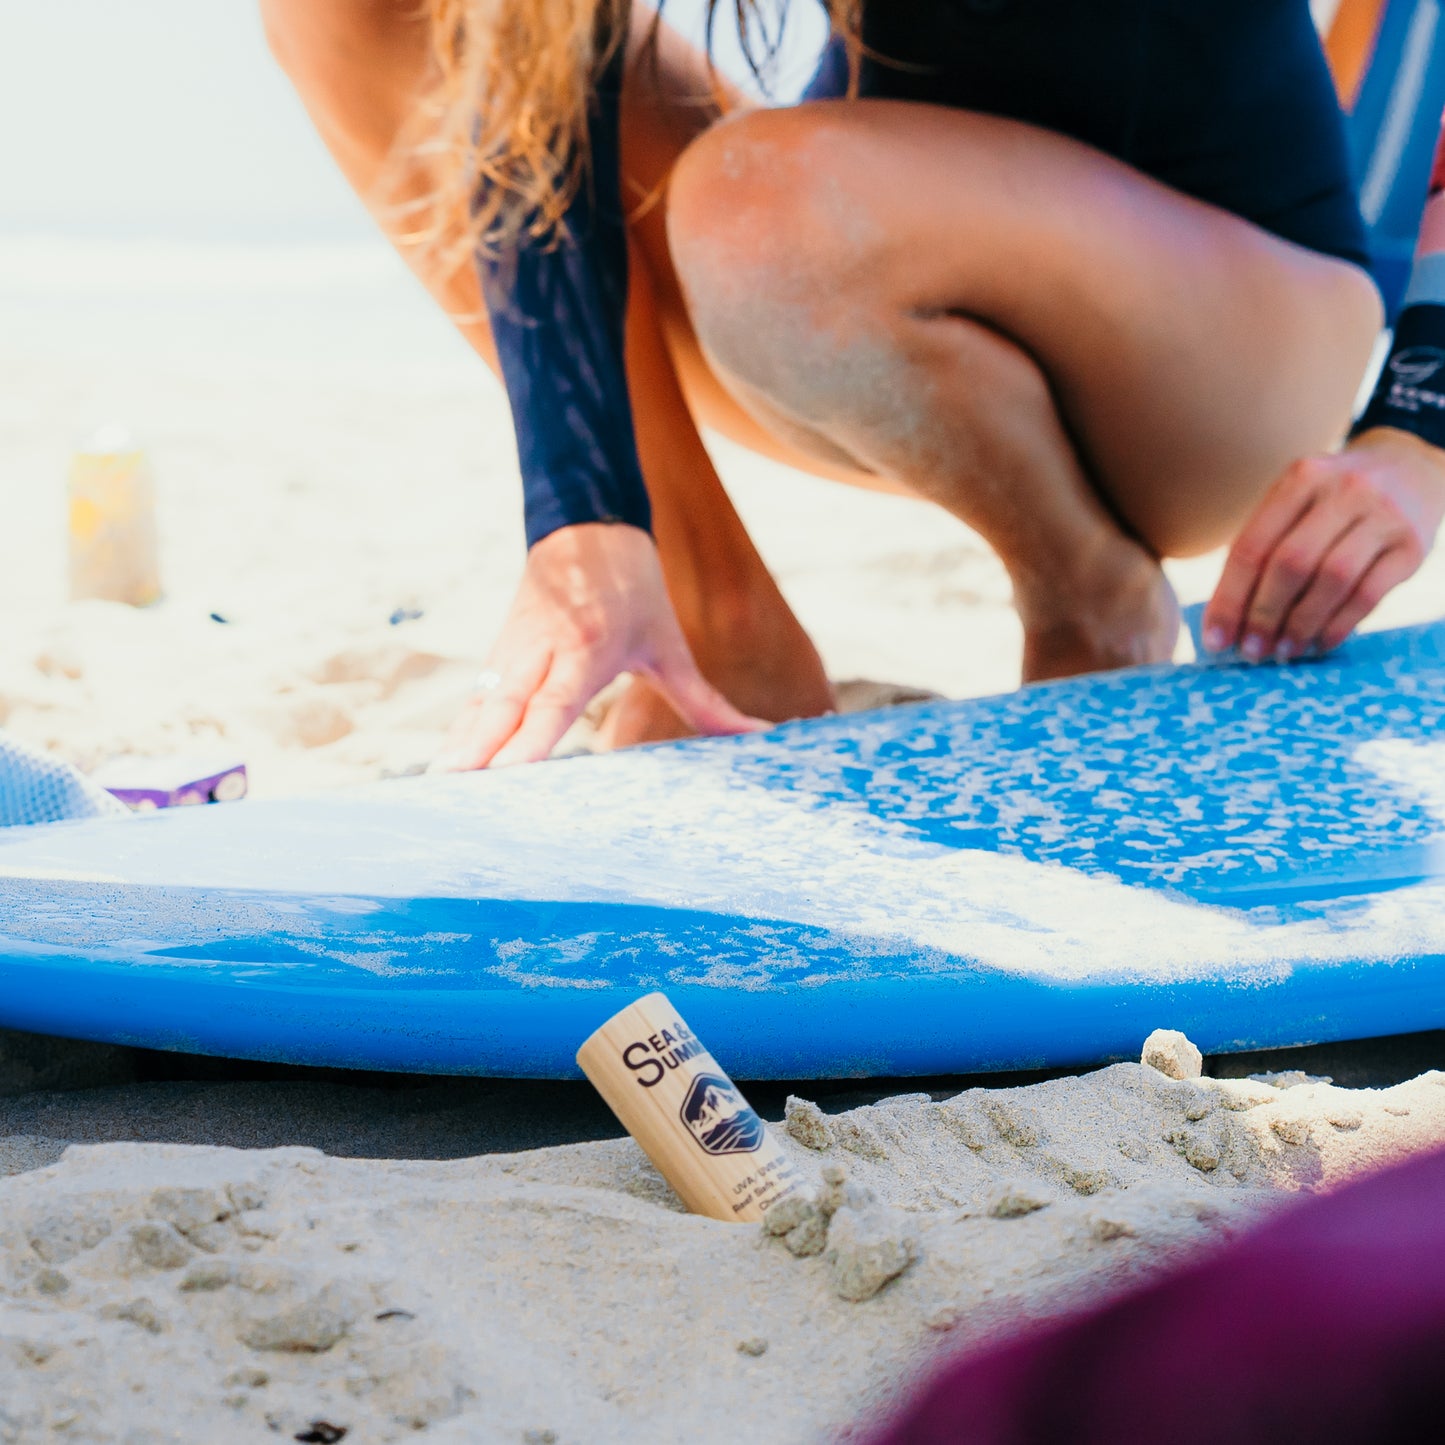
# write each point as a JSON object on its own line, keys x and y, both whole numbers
{"x": 153, "y": 1292}
{"x": 325, "y": 453}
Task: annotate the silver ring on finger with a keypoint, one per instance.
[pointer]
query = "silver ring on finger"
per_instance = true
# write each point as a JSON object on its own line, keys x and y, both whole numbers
{"x": 486, "y": 682}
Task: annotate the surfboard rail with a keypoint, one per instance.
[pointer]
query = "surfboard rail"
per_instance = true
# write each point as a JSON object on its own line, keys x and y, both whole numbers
{"x": 1253, "y": 855}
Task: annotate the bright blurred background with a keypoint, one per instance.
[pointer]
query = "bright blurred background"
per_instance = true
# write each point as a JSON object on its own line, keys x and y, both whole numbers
{"x": 167, "y": 118}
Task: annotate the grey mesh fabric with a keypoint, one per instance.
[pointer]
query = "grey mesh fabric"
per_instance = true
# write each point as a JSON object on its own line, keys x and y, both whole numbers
{"x": 38, "y": 789}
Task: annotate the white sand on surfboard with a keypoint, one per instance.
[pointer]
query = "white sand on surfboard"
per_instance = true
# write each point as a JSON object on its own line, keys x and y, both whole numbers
{"x": 312, "y": 481}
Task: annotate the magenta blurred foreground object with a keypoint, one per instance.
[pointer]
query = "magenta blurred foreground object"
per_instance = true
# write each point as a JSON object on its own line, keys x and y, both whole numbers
{"x": 1325, "y": 1325}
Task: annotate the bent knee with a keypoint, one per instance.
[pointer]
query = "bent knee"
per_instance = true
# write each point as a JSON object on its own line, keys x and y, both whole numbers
{"x": 769, "y": 232}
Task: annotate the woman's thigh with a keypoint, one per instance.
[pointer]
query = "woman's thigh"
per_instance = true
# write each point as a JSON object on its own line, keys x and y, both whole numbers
{"x": 1191, "y": 354}
{"x": 672, "y": 97}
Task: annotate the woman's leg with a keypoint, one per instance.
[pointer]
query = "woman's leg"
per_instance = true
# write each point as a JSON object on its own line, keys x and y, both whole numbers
{"x": 1088, "y": 368}
{"x": 1043, "y": 341}
{"x": 359, "y": 67}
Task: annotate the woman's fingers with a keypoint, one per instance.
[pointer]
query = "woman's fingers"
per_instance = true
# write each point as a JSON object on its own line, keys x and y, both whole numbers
{"x": 1332, "y": 536}
{"x": 486, "y": 728}
{"x": 1287, "y": 501}
{"x": 592, "y": 603}
{"x": 1291, "y": 569}
{"x": 539, "y": 725}
{"x": 1389, "y": 569}
{"x": 491, "y": 718}
{"x": 1338, "y": 575}
{"x": 552, "y": 709}
{"x": 695, "y": 700}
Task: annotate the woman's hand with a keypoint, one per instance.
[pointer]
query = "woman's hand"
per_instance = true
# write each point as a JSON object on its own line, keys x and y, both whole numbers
{"x": 1331, "y": 538}
{"x": 592, "y": 604}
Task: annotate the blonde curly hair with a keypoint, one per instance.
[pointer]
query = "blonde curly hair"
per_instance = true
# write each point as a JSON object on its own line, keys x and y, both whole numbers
{"x": 508, "y": 117}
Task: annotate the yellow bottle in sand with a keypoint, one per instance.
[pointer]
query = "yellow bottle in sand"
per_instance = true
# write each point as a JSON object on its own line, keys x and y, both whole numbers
{"x": 114, "y": 553}
{"x": 690, "y": 1118}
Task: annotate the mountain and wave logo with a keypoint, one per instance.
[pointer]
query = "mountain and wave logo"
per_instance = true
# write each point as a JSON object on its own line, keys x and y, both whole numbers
{"x": 719, "y": 1118}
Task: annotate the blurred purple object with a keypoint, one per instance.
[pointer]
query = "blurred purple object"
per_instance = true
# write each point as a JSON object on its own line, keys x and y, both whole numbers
{"x": 1325, "y": 1325}
{"x": 144, "y": 784}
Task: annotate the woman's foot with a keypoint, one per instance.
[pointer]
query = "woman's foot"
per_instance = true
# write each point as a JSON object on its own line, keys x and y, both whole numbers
{"x": 1125, "y": 615}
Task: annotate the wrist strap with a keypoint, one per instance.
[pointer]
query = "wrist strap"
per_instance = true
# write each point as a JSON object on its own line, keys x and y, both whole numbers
{"x": 1410, "y": 394}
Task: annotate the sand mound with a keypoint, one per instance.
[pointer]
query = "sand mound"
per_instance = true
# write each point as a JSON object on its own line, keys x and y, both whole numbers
{"x": 154, "y": 1292}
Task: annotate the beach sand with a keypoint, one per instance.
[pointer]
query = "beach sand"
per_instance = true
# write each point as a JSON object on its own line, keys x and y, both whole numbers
{"x": 401, "y": 1275}
{"x": 191, "y": 1249}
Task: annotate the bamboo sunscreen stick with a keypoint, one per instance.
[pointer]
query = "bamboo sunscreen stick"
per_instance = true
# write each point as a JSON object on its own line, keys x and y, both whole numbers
{"x": 674, "y": 1099}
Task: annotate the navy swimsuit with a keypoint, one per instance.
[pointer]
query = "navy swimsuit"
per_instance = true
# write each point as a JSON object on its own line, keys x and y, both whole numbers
{"x": 1229, "y": 101}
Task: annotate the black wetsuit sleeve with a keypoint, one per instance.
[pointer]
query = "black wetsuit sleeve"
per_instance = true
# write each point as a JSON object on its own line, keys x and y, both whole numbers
{"x": 558, "y": 312}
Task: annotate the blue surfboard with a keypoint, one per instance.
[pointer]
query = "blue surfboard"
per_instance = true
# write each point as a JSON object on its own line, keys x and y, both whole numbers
{"x": 1253, "y": 855}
